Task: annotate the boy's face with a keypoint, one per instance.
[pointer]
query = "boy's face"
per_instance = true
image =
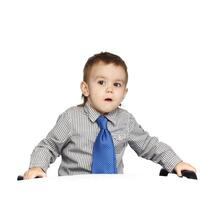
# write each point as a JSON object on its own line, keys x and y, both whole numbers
{"x": 106, "y": 87}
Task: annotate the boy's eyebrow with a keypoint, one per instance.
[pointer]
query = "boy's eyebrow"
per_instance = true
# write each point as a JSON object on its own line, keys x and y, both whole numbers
{"x": 97, "y": 77}
{"x": 100, "y": 77}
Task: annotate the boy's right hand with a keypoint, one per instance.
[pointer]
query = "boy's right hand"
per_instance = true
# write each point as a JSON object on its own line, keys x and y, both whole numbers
{"x": 34, "y": 172}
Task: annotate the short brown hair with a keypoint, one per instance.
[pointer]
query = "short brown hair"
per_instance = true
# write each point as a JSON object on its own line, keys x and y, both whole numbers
{"x": 106, "y": 58}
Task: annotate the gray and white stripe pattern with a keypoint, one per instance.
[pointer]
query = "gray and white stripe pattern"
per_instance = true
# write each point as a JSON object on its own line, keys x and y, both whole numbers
{"x": 75, "y": 132}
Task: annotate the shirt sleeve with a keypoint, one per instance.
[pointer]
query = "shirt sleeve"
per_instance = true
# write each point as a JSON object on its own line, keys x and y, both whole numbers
{"x": 50, "y": 147}
{"x": 150, "y": 147}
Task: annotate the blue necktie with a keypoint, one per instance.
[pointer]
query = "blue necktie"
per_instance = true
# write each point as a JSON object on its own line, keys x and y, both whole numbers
{"x": 103, "y": 158}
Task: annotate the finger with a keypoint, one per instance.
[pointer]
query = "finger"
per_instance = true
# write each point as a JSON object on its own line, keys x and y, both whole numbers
{"x": 192, "y": 169}
{"x": 25, "y": 176}
{"x": 39, "y": 175}
{"x": 189, "y": 168}
{"x": 178, "y": 172}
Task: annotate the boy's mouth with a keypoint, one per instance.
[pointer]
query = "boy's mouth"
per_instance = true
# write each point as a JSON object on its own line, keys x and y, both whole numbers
{"x": 108, "y": 99}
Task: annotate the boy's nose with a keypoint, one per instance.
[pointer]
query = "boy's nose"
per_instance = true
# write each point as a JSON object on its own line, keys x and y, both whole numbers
{"x": 109, "y": 89}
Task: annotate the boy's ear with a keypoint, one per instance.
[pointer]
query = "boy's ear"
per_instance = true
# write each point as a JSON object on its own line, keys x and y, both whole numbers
{"x": 84, "y": 89}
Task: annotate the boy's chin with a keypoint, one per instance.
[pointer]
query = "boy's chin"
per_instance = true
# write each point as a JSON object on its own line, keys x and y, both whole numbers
{"x": 107, "y": 110}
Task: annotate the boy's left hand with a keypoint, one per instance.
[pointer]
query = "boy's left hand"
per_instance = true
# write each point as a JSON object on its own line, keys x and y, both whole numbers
{"x": 183, "y": 166}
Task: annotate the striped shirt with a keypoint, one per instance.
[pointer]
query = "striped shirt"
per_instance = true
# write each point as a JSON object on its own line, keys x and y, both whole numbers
{"x": 75, "y": 132}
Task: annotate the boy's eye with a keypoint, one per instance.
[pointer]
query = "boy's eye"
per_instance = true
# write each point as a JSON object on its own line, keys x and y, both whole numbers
{"x": 101, "y": 82}
{"x": 117, "y": 84}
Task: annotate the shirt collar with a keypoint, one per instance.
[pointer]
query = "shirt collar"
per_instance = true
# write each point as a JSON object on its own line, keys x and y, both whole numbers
{"x": 93, "y": 114}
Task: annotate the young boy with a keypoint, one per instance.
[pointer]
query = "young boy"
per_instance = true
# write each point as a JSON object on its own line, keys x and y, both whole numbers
{"x": 76, "y": 134}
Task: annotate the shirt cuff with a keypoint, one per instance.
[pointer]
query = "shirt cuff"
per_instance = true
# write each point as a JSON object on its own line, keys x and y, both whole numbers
{"x": 170, "y": 160}
{"x": 40, "y": 158}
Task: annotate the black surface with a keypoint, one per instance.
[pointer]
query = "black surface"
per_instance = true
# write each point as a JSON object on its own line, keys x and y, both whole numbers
{"x": 185, "y": 173}
{"x": 20, "y": 178}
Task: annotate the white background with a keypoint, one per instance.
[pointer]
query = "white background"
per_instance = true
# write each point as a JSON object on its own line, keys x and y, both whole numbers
{"x": 45, "y": 44}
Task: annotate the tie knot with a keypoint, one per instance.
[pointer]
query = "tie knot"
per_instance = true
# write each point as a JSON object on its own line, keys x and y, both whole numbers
{"x": 102, "y": 122}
